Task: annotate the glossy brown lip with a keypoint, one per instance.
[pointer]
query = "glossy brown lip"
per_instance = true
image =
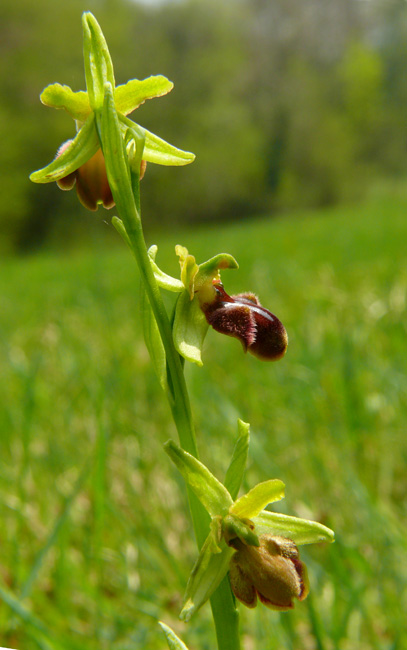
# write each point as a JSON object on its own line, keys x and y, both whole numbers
{"x": 243, "y": 317}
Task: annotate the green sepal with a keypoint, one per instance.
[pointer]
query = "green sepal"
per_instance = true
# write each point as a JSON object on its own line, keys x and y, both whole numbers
{"x": 131, "y": 95}
{"x": 153, "y": 339}
{"x": 156, "y": 150}
{"x": 211, "y": 493}
{"x": 250, "y": 504}
{"x": 83, "y": 146}
{"x": 75, "y": 103}
{"x": 162, "y": 153}
{"x": 164, "y": 280}
{"x": 98, "y": 64}
{"x": 301, "y": 531}
{"x": 174, "y": 642}
{"x": 189, "y": 329}
{"x": 237, "y": 466}
{"x": 206, "y": 575}
{"x": 117, "y": 167}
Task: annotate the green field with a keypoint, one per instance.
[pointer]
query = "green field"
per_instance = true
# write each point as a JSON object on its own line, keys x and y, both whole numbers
{"x": 95, "y": 541}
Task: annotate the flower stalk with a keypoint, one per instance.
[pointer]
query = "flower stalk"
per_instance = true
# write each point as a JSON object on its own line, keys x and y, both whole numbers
{"x": 125, "y": 186}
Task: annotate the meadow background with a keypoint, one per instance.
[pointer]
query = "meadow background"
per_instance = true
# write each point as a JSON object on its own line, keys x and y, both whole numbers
{"x": 95, "y": 539}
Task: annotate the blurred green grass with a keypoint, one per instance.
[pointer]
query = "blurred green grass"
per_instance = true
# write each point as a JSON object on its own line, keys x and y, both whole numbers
{"x": 95, "y": 539}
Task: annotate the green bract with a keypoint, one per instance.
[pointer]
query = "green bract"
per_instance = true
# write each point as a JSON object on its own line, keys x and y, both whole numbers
{"x": 174, "y": 643}
{"x": 244, "y": 518}
{"x": 83, "y": 106}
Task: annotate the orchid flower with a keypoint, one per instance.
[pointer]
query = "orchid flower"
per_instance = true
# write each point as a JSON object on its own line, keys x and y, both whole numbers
{"x": 257, "y": 546}
{"x": 80, "y": 160}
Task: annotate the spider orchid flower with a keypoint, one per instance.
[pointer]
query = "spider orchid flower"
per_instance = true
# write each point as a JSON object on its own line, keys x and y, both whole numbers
{"x": 80, "y": 160}
{"x": 258, "y": 547}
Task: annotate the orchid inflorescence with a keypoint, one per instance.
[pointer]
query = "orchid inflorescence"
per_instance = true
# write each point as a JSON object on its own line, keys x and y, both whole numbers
{"x": 106, "y": 160}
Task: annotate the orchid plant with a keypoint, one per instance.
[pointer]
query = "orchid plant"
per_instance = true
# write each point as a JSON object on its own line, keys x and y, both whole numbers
{"x": 246, "y": 552}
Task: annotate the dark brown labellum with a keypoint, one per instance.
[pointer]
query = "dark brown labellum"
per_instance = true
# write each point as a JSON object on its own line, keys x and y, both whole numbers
{"x": 243, "y": 317}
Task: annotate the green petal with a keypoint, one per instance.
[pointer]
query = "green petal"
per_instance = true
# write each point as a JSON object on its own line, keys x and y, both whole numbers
{"x": 250, "y": 504}
{"x": 174, "y": 643}
{"x": 157, "y": 150}
{"x": 301, "y": 531}
{"x": 189, "y": 269}
{"x": 189, "y": 329}
{"x": 207, "y": 574}
{"x": 129, "y": 96}
{"x": 83, "y": 147}
{"x": 235, "y": 472}
{"x": 211, "y": 493}
{"x": 163, "y": 280}
{"x": 98, "y": 64}
{"x": 58, "y": 96}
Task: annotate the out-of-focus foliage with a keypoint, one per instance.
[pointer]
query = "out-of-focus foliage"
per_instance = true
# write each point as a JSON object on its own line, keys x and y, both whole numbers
{"x": 285, "y": 103}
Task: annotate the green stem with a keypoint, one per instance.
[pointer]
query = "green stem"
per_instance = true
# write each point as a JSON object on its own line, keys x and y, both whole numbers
{"x": 124, "y": 184}
{"x": 224, "y": 612}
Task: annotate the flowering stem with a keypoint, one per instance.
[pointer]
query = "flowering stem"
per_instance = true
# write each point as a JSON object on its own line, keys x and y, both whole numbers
{"x": 124, "y": 183}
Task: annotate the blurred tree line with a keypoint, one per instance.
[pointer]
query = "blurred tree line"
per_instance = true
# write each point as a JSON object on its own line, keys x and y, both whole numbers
{"x": 286, "y": 103}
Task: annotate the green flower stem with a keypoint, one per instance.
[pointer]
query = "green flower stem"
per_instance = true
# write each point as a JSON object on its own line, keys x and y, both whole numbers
{"x": 124, "y": 184}
{"x": 226, "y": 617}
{"x": 224, "y": 612}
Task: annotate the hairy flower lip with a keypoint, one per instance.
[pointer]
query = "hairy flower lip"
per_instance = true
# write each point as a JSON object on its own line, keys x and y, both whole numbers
{"x": 243, "y": 317}
{"x": 272, "y": 573}
{"x": 90, "y": 179}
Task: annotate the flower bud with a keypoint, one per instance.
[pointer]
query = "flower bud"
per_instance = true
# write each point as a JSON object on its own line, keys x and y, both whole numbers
{"x": 242, "y": 316}
{"x": 272, "y": 571}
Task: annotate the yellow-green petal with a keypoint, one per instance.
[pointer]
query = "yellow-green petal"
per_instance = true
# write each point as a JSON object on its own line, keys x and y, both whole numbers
{"x": 129, "y": 96}
{"x": 189, "y": 268}
{"x": 74, "y": 103}
{"x": 250, "y": 504}
{"x": 210, "y": 268}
